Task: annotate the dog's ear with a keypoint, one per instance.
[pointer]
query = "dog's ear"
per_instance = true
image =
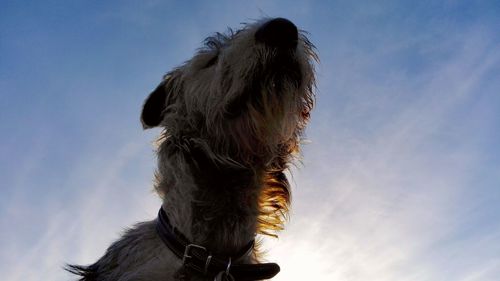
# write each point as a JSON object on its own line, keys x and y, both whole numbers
{"x": 152, "y": 111}
{"x": 155, "y": 105}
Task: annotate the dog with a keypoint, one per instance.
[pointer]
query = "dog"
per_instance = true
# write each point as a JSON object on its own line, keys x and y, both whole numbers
{"x": 233, "y": 119}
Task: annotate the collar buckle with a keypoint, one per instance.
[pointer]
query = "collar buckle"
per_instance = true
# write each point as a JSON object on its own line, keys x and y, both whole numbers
{"x": 200, "y": 261}
{"x": 199, "y": 252}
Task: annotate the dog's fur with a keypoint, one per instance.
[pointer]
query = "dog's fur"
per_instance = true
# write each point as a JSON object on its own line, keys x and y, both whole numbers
{"x": 233, "y": 117}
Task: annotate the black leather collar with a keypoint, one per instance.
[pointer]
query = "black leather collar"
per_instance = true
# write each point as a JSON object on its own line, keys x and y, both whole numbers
{"x": 199, "y": 260}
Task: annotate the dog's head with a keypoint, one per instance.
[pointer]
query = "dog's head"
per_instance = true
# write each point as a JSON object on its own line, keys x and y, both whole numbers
{"x": 246, "y": 94}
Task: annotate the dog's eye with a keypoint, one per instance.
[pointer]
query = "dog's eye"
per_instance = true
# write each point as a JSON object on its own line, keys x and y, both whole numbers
{"x": 212, "y": 61}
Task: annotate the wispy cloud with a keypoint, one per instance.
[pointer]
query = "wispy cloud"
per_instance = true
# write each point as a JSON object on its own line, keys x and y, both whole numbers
{"x": 383, "y": 204}
{"x": 105, "y": 198}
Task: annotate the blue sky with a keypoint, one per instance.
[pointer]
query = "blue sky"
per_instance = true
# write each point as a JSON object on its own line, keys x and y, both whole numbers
{"x": 400, "y": 178}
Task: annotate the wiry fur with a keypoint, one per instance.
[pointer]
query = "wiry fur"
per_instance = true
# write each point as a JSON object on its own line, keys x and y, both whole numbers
{"x": 233, "y": 116}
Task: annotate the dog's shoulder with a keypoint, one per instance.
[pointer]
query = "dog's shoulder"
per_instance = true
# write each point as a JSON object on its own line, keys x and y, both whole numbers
{"x": 137, "y": 247}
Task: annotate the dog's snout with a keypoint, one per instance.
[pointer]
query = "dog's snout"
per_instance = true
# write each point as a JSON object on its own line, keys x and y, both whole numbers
{"x": 279, "y": 33}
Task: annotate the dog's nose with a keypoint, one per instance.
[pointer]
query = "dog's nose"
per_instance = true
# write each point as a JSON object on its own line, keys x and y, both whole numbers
{"x": 278, "y": 32}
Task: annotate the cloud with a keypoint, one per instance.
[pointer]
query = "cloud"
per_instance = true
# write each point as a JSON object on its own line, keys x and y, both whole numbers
{"x": 104, "y": 199}
{"x": 381, "y": 202}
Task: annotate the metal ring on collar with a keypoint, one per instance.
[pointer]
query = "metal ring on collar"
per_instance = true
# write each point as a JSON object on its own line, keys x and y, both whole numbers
{"x": 228, "y": 266}
{"x": 207, "y": 263}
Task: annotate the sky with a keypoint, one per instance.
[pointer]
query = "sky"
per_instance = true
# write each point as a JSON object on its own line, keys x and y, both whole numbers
{"x": 400, "y": 175}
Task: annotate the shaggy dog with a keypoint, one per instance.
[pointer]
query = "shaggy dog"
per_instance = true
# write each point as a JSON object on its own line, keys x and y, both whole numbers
{"x": 233, "y": 117}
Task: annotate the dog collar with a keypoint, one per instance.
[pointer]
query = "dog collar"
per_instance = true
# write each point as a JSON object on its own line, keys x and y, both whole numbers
{"x": 199, "y": 260}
